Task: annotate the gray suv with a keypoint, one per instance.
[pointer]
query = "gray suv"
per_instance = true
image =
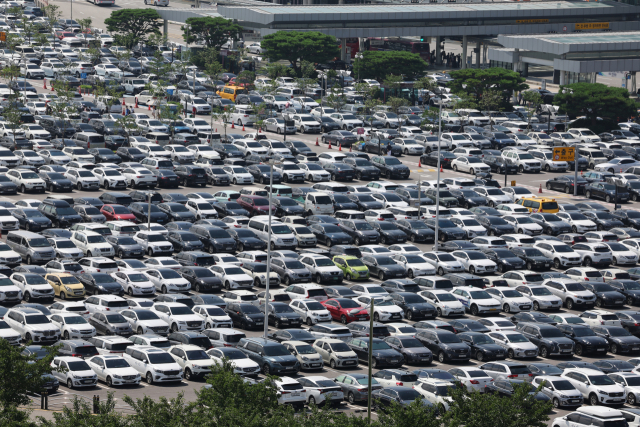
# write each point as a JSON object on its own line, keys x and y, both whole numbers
{"x": 273, "y": 357}
{"x": 291, "y": 270}
{"x": 549, "y": 339}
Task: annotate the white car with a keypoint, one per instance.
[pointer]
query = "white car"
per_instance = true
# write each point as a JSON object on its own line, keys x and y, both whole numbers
{"x": 145, "y": 321}
{"x": 110, "y": 178}
{"x": 311, "y": 311}
{"x": 157, "y": 366}
{"x": 496, "y": 324}
{"x": 26, "y": 180}
{"x": 516, "y": 344}
{"x": 82, "y": 179}
{"x": 238, "y": 175}
{"x": 414, "y": 265}
{"x": 320, "y": 389}
{"x": 600, "y": 317}
{"x": 370, "y": 289}
{"x": 313, "y": 172}
{"x": 445, "y": 302}
{"x": 180, "y": 153}
{"x": 475, "y": 262}
{"x": 617, "y": 165}
{"x": 201, "y": 209}
{"x": 134, "y": 282}
{"x": 471, "y": 165}
{"x": 74, "y": 372}
{"x": 512, "y": 301}
{"x": 167, "y": 280}
{"x": 595, "y": 386}
{"x": 78, "y": 154}
{"x": 114, "y": 370}
{"x": 213, "y": 315}
{"x": 436, "y": 391}
{"x": 139, "y": 177}
{"x": 470, "y": 225}
{"x": 192, "y": 359}
{"x": 631, "y": 383}
{"x": 33, "y": 286}
{"x": 409, "y": 146}
{"x": 178, "y": 316}
{"x": 473, "y": 378}
{"x": 241, "y": 363}
{"x": 153, "y": 242}
{"x": 202, "y": 151}
{"x": 443, "y": 262}
{"x": 594, "y": 253}
{"x": 322, "y": 268}
{"x": 73, "y": 326}
{"x": 622, "y": 255}
{"x": 92, "y": 243}
{"x": 384, "y": 310}
{"x": 476, "y": 301}
{"x": 33, "y": 130}
{"x": 524, "y": 224}
{"x": 542, "y": 297}
{"x": 562, "y": 254}
{"x": 102, "y": 303}
{"x": 578, "y": 221}
{"x": 232, "y": 276}
{"x": 152, "y": 125}
{"x": 197, "y": 125}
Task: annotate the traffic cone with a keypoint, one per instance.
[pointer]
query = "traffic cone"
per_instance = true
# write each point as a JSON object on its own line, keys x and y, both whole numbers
{"x": 136, "y": 102}
{"x": 216, "y": 130}
{"x": 259, "y": 130}
{"x": 419, "y": 163}
{"x": 51, "y": 87}
{"x": 243, "y": 128}
{"x": 148, "y": 107}
{"x": 329, "y": 145}
{"x": 45, "y": 84}
{"x": 317, "y": 145}
{"x": 350, "y": 148}
{"x": 441, "y": 169}
{"x": 540, "y": 189}
{"x": 79, "y": 90}
{"x": 340, "y": 146}
{"x": 123, "y": 104}
{"x": 232, "y": 126}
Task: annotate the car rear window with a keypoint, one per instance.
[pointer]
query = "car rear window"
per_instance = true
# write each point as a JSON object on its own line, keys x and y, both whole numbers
{"x": 86, "y": 350}
{"x": 317, "y": 293}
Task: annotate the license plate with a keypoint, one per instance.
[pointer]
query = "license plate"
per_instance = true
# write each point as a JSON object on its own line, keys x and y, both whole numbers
{"x": 635, "y": 348}
{"x": 547, "y": 265}
{"x": 424, "y": 360}
{"x": 565, "y": 351}
{"x": 492, "y": 309}
{"x": 394, "y": 361}
{"x": 315, "y": 365}
{"x": 295, "y": 393}
{"x": 362, "y": 317}
{"x": 259, "y": 323}
{"x": 200, "y": 176}
{"x": 336, "y": 278}
{"x": 602, "y": 349}
{"x": 350, "y": 362}
{"x": 526, "y": 307}
{"x": 462, "y": 355}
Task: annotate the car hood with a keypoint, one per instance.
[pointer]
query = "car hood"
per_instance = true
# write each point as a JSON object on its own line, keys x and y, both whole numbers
{"x": 278, "y": 359}
{"x": 593, "y": 340}
{"x": 610, "y": 295}
{"x": 490, "y": 347}
{"x": 631, "y": 340}
{"x": 387, "y": 353}
{"x": 455, "y": 346}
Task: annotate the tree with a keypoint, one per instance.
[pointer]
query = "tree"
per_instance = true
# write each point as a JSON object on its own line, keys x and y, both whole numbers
{"x": 378, "y": 64}
{"x": 52, "y": 11}
{"x": 275, "y": 70}
{"x": 595, "y": 100}
{"x": 474, "y": 409}
{"x": 395, "y": 103}
{"x": 20, "y": 375}
{"x": 85, "y": 24}
{"x": 475, "y": 82}
{"x": 80, "y": 413}
{"x": 209, "y": 31}
{"x": 414, "y": 414}
{"x": 533, "y": 99}
{"x": 132, "y": 26}
{"x": 491, "y": 100}
{"x": 426, "y": 85}
{"x": 296, "y": 46}
{"x": 336, "y": 99}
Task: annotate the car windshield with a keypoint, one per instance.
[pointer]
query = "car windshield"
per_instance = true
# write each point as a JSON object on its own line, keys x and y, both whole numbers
{"x": 601, "y": 380}
{"x": 75, "y": 320}
{"x": 146, "y": 315}
{"x": 160, "y": 358}
{"x": 449, "y": 338}
{"x": 37, "y": 319}
{"x": 39, "y": 243}
{"x": 354, "y": 263}
{"x": 276, "y": 350}
{"x": 80, "y": 365}
{"x": 516, "y": 338}
{"x": 180, "y": 310}
{"x": 618, "y": 332}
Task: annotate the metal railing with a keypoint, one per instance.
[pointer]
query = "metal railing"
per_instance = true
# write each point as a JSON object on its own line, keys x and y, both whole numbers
{"x": 57, "y": 401}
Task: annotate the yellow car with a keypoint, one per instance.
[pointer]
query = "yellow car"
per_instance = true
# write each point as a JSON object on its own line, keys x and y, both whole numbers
{"x": 352, "y": 267}
{"x": 65, "y": 285}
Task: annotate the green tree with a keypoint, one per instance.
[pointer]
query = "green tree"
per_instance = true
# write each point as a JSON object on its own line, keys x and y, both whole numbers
{"x": 275, "y": 70}
{"x": 533, "y": 100}
{"x": 209, "y": 31}
{"x": 246, "y": 77}
{"x": 475, "y": 82}
{"x": 80, "y": 413}
{"x": 378, "y": 64}
{"x": 474, "y": 409}
{"x": 132, "y": 26}
{"x": 336, "y": 98}
{"x": 395, "y": 103}
{"x": 52, "y": 11}
{"x": 425, "y": 85}
{"x": 491, "y": 100}
{"x": 85, "y": 24}
{"x": 412, "y": 415}
{"x": 595, "y": 100}
{"x": 297, "y": 46}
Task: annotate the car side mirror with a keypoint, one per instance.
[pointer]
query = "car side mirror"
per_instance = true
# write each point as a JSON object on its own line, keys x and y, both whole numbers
{"x": 260, "y": 353}
{"x": 329, "y": 351}
{"x": 437, "y": 342}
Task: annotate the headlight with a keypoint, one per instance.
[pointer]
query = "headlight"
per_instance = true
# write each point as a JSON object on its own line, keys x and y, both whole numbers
{"x": 75, "y": 331}
{"x": 67, "y": 289}
{"x": 182, "y": 323}
{"x": 603, "y": 392}
{"x": 117, "y": 377}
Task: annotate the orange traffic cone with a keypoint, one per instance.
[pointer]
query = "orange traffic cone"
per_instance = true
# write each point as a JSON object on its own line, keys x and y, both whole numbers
{"x": 136, "y": 102}
{"x": 52, "y": 87}
{"x": 232, "y": 126}
{"x": 317, "y": 145}
{"x": 45, "y": 84}
{"x": 216, "y": 129}
{"x": 350, "y": 148}
{"x": 339, "y": 146}
{"x": 259, "y": 130}
{"x": 540, "y": 189}
{"x": 329, "y": 145}
{"x": 148, "y": 107}
{"x": 419, "y": 163}
{"x": 123, "y": 104}
{"x": 243, "y": 128}
{"x": 79, "y": 91}
{"x": 441, "y": 168}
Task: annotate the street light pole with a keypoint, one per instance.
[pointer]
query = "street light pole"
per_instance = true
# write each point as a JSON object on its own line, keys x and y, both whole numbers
{"x": 370, "y": 359}
{"x": 149, "y": 213}
{"x": 435, "y": 246}
{"x": 272, "y": 163}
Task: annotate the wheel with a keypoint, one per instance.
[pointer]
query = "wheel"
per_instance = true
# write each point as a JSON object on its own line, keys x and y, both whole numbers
{"x": 309, "y": 321}
{"x": 439, "y": 312}
{"x": 381, "y": 276}
{"x": 547, "y": 169}
{"x": 140, "y": 331}
{"x": 510, "y": 354}
{"x": 587, "y": 262}
{"x": 376, "y": 317}
{"x": 529, "y": 266}
{"x": 631, "y": 399}
{"x": 374, "y": 363}
{"x": 588, "y": 194}
{"x": 187, "y": 374}
{"x": 579, "y": 350}
{"x": 164, "y": 289}
{"x": 132, "y": 184}
{"x": 278, "y": 324}
{"x": 332, "y": 364}
{"x": 343, "y": 319}
{"x": 149, "y": 378}
{"x": 607, "y": 199}
{"x": 569, "y": 304}
{"x": 472, "y": 270}
{"x": 474, "y": 310}
{"x": 120, "y": 254}
{"x": 544, "y": 352}
{"x": 50, "y": 188}
{"x": 348, "y": 276}
{"x": 29, "y": 261}
{"x": 66, "y": 335}
{"x": 615, "y": 261}
{"x": 479, "y": 356}
{"x": 536, "y": 306}
{"x": 410, "y": 274}
{"x": 506, "y": 308}
{"x": 351, "y": 398}
{"x": 472, "y": 172}
{"x": 593, "y": 400}
{"x": 629, "y": 300}
{"x": 409, "y": 315}
{"x": 150, "y": 252}
{"x": 27, "y": 297}
{"x": 556, "y": 263}
{"x": 521, "y": 169}
{"x": 634, "y": 197}
{"x": 23, "y": 189}
{"x": 174, "y": 327}
{"x": 614, "y": 349}
{"x": 441, "y": 271}
{"x": 441, "y": 357}
{"x": 556, "y": 402}
{"x": 500, "y": 268}
{"x": 63, "y": 296}
{"x": 567, "y": 190}
{"x": 109, "y": 382}
{"x": 70, "y": 384}
{"x": 455, "y": 168}
{"x": 312, "y": 400}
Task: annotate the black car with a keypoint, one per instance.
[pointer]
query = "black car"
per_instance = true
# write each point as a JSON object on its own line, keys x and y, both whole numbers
{"x": 495, "y": 225}
{"x": 607, "y": 192}
{"x": 400, "y": 285}
{"x": 504, "y": 388}
{"x": 391, "y": 167}
{"x": 606, "y": 295}
{"x": 447, "y": 230}
{"x": 414, "y": 351}
{"x": 144, "y": 196}
{"x": 389, "y": 232}
{"x": 457, "y": 245}
{"x": 538, "y": 369}
{"x": 629, "y": 288}
{"x": 445, "y": 345}
{"x": 603, "y": 220}
{"x": 551, "y": 223}
{"x": 184, "y": 241}
{"x": 59, "y": 212}
{"x": 533, "y": 258}
{"x": 297, "y": 147}
{"x": 350, "y": 250}
{"x": 586, "y": 341}
{"x": 468, "y": 325}
{"x": 327, "y": 124}
{"x": 620, "y": 340}
{"x": 499, "y": 140}
{"x": 339, "y": 292}
{"x": 215, "y": 239}
{"x": 245, "y": 316}
{"x": 286, "y": 206}
{"x": 630, "y": 320}
{"x": 364, "y": 169}
{"x": 445, "y": 158}
{"x": 416, "y": 230}
{"x": 628, "y": 217}
{"x": 292, "y": 335}
{"x": 469, "y": 198}
{"x": 167, "y": 178}
{"x": 340, "y": 171}
{"x": 262, "y": 174}
{"x": 339, "y": 138}
{"x": 104, "y": 155}
{"x": 498, "y": 164}
{"x": 342, "y": 202}
{"x": 247, "y": 240}
{"x": 566, "y": 184}
{"x": 100, "y": 283}
{"x": 130, "y": 154}
{"x": 230, "y": 209}
{"x": 613, "y": 366}
{"x": 505, "y": 259}
{"x": 382, "y": 353}
{"x": 381, "y": 146}
{"x": 412, "y": 197}
{"x": 31, "y": 219}
{"x": 549, "y": 339}
{"x": 217, "y": 176}
{"x": 279, "y": 314}
{"x": 142, "y": 210}
{"x": 365, "y": 201}
{"x": 330, "y": 234}
{"x": 201, "y": 278}
{"x": 55, "y": 181}
{"x": 176, "y": 211}
{"x": 413, "y": 305}
{"x": 482, "y": 346}
{"x": 531, "y": 317}
{"x": 361, "y": 231}
{"x": 191, "y": 175}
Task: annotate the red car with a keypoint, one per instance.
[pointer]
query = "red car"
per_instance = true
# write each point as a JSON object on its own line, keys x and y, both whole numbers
{"x": 255, "y": 205}
{"x": 117, "y": 212}
{"x": 345, "y": 310}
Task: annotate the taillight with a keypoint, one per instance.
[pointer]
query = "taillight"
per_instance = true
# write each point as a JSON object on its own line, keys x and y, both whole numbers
{"x": 512, "y": 376}
{"x": 399, "y": 383}
{"x": 586, "y": 279}
{"x": 474, "y": 382}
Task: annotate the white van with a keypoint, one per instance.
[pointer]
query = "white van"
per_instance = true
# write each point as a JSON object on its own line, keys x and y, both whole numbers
{"x": 318, "y": 204}
{"x": 281, "y": 235}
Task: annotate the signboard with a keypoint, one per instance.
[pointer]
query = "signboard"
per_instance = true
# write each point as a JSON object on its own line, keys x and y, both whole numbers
{"x": 564, "y": 154}
{"x": 532, "y": 21}
{"x": 360, "y": 131}
{"x": 83, "y": 75}
{"x": 170, "y": 91}
{"x": 593, "y": 26}
{"x": 3, "y": 36}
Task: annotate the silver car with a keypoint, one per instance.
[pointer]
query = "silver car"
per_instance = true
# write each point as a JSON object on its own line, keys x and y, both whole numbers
{"x": 561, "y": 392}
{"x": 278, "y": 126}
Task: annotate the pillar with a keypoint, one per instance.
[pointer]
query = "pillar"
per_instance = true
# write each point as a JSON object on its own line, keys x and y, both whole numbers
{"x": 516, "y": 59}
{"x": 478, "y": 45}
{"x": 165, "y": 28}
{"x": 562, "y": 78}
{"x": 632, "y": 83}
{"x": 343, "y": 48}
{"x": 438, "y": 51}
{"x": 464, "y": 52}
{"x": 361, "y": 44}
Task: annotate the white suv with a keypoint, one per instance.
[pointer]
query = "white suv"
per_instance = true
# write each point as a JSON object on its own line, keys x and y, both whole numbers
{"x": 74, "y": 372}
{"x": 154, "y": 364}
{"x": 145, "y": 321}
{"x": 33, "y": 286}
{"x": 594, "y": 415}
{"x": 584, "y": 135}
{"x": 322, "y": 269}
{"x": 178, "y": 316}
{"x": 595, "y": 386}
{"x": 311, "y": 311}
{"x": 192, "y": 359}
{"x": 82, "y": 179}
{"x": 32, "y": 325}
{"x": 26, "y": 180}
{"x": 213, "y": 315}
{"x": 92, "y": 243}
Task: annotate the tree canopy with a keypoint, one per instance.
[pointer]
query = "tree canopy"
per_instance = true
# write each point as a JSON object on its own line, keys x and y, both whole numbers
{"x": 474, "y": 83}
{"x": 595, "y": 100}
{"x": 378, "y": 64}
{"x": 212, "y": 32}
{"x": 132, "y": 26}
{"x": 296, "y": 47}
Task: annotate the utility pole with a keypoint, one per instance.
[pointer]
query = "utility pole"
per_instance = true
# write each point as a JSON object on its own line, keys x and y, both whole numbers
{"x": 435, "y": 246}
{"x": 373, "y": 302}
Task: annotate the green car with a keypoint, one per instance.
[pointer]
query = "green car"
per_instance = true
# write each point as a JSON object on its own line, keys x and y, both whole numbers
{"x": 446, "y": 198}
{"x": 299, "y": 194}
{"x": 352, "y": 267}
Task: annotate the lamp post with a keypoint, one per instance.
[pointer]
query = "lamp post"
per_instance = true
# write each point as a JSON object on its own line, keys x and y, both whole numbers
{"x": 435, "y": 246}
{"x": 271, "y": 164}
